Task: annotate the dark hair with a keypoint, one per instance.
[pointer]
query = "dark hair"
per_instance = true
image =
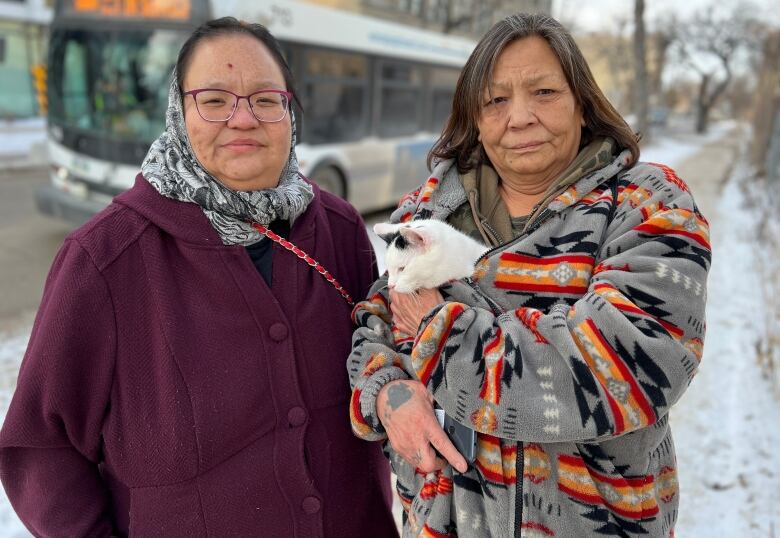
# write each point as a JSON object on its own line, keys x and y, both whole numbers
{"x": 230, "y": 26}
{"x": 458, "y": 140}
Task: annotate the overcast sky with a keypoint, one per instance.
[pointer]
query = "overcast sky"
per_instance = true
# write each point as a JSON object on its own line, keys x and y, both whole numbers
{"x": 589, "y": 15}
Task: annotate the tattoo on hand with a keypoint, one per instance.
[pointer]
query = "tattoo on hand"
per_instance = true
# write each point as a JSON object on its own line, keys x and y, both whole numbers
{"x": 397, "y": 395}
{"x": 417, "y": 458}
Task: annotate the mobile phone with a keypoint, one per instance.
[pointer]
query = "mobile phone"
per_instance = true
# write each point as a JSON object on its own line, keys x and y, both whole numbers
{"x": 463, "y": 437}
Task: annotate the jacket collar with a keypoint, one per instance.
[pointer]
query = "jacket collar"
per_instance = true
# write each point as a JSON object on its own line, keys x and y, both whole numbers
{"x": 444, "y": 192}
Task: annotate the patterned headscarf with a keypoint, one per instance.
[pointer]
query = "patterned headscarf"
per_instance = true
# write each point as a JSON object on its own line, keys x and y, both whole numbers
{"x": 172, "y": 168}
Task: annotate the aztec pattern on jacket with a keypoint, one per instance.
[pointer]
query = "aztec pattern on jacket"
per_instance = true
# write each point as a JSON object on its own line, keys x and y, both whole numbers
{"x": 593, "y": 329}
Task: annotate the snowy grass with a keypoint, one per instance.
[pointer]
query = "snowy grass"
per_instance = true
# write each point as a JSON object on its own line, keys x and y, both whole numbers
{"x": 768, "y": 207}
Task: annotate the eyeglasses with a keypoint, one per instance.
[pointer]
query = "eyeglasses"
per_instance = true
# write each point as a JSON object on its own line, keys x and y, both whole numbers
{"x": 268, "y": 106}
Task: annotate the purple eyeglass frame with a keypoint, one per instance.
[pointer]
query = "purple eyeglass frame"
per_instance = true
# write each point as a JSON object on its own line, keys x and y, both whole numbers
{"x": 194, "y": 94}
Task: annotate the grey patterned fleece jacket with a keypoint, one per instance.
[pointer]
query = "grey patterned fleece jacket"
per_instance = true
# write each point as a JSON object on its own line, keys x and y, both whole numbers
{"x": 565, "y": 351}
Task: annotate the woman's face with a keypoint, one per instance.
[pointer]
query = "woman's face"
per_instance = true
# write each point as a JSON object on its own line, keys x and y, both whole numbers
{"x": 530, "y": 125}
{"x": 243, "y": 153}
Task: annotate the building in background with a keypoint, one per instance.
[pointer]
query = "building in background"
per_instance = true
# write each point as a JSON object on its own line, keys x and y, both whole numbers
{"x": 469, "y": 18}
{"x": 23, "y": 36}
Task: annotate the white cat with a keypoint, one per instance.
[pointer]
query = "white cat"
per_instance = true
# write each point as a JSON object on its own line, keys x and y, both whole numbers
{"x": 427, "y": 254}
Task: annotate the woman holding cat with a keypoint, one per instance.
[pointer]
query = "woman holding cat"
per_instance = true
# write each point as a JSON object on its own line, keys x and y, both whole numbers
{"x": 183, "y": 377}
{"x": 579, "y": 329}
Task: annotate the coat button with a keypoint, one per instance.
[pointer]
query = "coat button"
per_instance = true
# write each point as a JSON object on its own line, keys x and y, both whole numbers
{"x": 278, "y": 332}
{"x": 296, "y": 417}
{"x": 311, "y": 505}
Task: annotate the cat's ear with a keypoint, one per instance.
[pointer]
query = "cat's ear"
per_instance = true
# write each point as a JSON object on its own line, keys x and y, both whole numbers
{"x": 414, "y": 236}
{"x": 386, "y": 231}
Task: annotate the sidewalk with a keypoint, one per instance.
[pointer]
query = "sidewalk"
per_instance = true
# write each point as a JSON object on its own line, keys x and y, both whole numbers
{"x": 727, "y": 425}
{"x": 707, "y": 171}
{"x": 22, "y": 143}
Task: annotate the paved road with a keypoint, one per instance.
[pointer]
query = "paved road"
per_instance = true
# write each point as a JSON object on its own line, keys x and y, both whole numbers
{"x": 707, "y": 171}
{"x": 28, "y": 243}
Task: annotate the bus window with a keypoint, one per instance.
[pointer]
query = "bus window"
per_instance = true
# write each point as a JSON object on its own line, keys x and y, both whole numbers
{"x": 75, "y": 100}
{"x": 442, "y": 83}
{"x": 335, "y": 96}
{"x": 113, "y": 83}
{"x": 400, "y": 99}
{"x": 440, "y": 108}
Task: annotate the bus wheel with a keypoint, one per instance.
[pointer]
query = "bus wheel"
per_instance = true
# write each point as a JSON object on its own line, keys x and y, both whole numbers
{"x": 330, "y": 179}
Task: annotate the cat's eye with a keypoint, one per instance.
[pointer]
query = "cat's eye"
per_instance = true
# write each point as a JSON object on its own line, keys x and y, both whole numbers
{"x": 401, "y": 269}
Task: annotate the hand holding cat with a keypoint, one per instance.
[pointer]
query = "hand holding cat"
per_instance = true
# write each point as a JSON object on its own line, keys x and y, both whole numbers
{"x": 410, "y": 308}
{"x": 406, "y": 411}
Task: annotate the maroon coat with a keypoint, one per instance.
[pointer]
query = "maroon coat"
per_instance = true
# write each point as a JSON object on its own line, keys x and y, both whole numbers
{"x": 167, "y": 391}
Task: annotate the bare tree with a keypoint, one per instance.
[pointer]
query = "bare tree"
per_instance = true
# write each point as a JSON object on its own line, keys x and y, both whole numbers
{"x": 568, "y": 11}
{"x": 641, "y": 91}
{"x": 662, "y": 39}
{"x": 711, "y": 43}
{"x": 612, "y": 47}
{"x": 454, "y": 20}
{"x": 465, "y": 15}
{"x": 476, "y": 16}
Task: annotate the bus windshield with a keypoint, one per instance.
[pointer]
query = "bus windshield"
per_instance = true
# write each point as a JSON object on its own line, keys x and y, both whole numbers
{"x": 112, "y": 85}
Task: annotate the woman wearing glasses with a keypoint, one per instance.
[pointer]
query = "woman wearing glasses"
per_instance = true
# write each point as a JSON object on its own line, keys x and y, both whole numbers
{"x": 184, "y": 376}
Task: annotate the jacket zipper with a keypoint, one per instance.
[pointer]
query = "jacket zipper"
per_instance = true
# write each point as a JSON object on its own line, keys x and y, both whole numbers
{"x": 497, "y": 310}
{"x": 496, "y": 236}
{"x": 519, "y": 464}
{"x": 546, "y": 214}
{"x": 494, "y": 306}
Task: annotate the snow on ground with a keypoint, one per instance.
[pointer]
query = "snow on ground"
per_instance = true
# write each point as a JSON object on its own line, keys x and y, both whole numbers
{"x": 25, "y": 134}
{"x": 727, "y": 426}
{"x": 12, "y": 346}
{"x": 673, "y": 148}
{"x": 379, "y": 247}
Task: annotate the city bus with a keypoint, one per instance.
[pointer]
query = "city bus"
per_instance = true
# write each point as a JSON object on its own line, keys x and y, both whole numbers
{"x": 375, "y": 94}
